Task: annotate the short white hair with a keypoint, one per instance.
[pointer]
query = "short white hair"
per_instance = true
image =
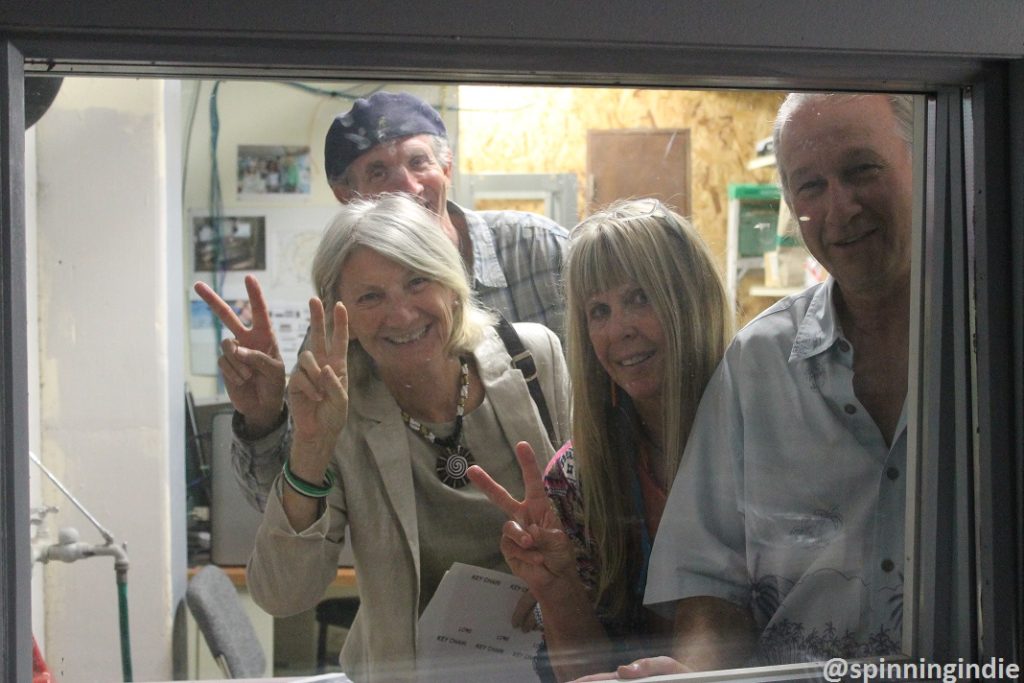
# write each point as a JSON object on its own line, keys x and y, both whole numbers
{"x": 902, "y": 110}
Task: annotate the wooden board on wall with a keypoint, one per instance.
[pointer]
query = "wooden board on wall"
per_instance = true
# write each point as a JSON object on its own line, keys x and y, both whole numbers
{"x": 639, "y": 163}
{"x": 520, "y": 129}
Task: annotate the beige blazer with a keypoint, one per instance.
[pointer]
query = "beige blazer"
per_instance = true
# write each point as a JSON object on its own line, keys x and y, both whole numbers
{"x": 289, "y": 571}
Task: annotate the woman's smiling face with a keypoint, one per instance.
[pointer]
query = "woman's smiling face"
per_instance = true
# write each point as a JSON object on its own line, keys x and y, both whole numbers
{"x": 400, "y": 317}
{"x": 628, "y": 340}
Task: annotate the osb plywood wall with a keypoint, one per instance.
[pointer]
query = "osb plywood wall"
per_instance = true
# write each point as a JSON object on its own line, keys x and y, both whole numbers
{"x": 544, "y": 130}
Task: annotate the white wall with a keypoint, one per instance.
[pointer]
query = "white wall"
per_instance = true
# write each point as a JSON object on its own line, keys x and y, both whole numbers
{"x": 107, "y": 347}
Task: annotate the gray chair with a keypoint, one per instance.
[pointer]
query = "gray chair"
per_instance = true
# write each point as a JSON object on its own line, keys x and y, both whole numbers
{"x": 214, "y": 602}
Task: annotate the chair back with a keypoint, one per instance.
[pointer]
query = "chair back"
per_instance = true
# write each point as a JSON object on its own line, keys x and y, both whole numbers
{"x": 214, "y": 602}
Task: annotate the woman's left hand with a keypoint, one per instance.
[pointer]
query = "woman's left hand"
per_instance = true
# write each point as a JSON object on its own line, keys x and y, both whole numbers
{"x": 533, "y": 541}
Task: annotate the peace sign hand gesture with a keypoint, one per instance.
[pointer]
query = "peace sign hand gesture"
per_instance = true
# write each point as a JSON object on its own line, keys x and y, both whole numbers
{"x": 251, "y": 363}
{"x": 533, "y": 541}
{"x": 318, "y": 389}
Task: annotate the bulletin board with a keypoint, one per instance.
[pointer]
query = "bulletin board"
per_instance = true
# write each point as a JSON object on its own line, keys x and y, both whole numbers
{"x": 274, "y": 243}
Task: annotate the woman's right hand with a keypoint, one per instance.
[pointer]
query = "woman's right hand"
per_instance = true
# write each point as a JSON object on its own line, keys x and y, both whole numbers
{"x": 318, "y": 397}
{"x": 533, "y": 541}
{"x": 318, "y": 392}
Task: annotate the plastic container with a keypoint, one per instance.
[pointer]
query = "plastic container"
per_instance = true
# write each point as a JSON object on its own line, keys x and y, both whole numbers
{"x": 785, "y": 265}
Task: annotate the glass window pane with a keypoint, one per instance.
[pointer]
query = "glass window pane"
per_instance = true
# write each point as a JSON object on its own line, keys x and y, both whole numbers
{"x": 796, "y": 478}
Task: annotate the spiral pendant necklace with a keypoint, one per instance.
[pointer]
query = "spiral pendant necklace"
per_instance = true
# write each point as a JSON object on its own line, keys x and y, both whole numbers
{"x": 454, "y": 458}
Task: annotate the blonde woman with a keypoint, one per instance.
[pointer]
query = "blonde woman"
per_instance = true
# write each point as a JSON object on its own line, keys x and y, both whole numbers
{"x": 647, "y": 325}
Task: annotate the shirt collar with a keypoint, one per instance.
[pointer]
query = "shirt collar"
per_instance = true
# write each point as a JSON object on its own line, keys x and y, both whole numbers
{"x": 486, "y": 267}
{"x": 819, "y": 328}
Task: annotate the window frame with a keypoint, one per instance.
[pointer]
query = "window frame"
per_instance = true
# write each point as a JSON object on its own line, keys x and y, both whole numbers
{"x": 969, "y": 381}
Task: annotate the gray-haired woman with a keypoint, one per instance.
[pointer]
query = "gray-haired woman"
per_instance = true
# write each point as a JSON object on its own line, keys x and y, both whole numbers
{"x": 403, "y": 384}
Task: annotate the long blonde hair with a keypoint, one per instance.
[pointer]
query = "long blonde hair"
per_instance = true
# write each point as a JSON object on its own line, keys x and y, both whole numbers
{"x": 645, "y": 242}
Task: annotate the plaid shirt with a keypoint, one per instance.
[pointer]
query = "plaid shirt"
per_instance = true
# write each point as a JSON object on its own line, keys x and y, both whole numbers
{"x": 517, "y": 264}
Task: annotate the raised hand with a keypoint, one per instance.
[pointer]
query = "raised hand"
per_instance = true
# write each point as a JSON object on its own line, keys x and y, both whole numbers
{"x": 318, "y": 397}
{"x": 251, "y": 363}
{"x": 533, "y": 541}
{"x": 318, "y": 390}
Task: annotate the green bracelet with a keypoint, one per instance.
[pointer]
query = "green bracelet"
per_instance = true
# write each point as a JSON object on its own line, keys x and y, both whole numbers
{"x": 306, "y": 488}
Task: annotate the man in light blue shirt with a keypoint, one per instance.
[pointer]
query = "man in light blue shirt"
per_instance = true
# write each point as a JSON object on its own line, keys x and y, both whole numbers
{"x": 782, "y": 539}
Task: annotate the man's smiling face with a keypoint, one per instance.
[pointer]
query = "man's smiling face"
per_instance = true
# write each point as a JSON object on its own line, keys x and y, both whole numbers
{"x": 849, "y": 180}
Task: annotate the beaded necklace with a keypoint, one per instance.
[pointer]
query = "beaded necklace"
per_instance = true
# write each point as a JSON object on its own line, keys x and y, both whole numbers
{"x": 454, "y": 458}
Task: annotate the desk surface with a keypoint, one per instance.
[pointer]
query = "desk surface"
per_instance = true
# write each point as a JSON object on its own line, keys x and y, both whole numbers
{"x": 345, "y": 578}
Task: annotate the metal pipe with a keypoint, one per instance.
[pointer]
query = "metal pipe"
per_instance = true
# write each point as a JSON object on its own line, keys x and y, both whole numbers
{"x": 107, "y": 536}
{"x": 69, "y": 549}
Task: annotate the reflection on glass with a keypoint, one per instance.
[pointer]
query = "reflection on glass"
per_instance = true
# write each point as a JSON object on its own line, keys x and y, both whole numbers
{"x": 112, "y": 351}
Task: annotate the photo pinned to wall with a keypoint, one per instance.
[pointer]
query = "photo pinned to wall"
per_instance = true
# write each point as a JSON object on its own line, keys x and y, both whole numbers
{"x": 268, "y": 170}
{"x": 203, "y": 333}
{"x": 202, "y": 338}
{"x": 276, "y": 243}
{"x": 290, "y": 322}
{"x": 229, "y": 243}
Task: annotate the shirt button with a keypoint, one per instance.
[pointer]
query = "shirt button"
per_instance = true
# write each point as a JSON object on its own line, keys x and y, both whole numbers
{"x": 887, "y": 565}
{"x": 892, "y": 473}
{"x": 850, "y": 408}
{"x": 844, "y": 346}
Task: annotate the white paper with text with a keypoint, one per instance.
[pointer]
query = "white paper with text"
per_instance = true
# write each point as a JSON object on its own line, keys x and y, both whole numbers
{"x": 466, "y": 631}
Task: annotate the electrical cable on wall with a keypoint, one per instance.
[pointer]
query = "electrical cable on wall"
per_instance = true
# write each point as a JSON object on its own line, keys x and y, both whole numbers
{"x": 193, "y": 108}
{"x": 215, "y": 198}
{"x": 348, "y": 94}
{"x": 216, "y": 211}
